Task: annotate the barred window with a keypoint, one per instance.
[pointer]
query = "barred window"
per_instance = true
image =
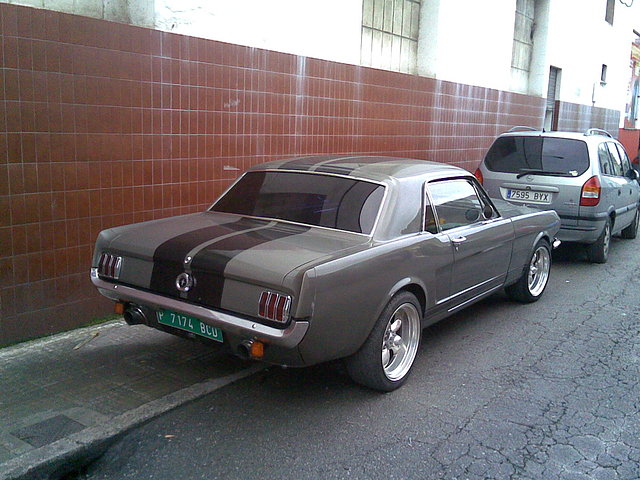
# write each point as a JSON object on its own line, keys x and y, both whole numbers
{"x": 390, "y": 34}
{"x": 523, "y": 36}
{"x": 608, "y": 14}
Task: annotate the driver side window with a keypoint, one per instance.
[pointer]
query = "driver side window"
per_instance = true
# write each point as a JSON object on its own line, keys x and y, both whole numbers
{"x": 456, "y": 203}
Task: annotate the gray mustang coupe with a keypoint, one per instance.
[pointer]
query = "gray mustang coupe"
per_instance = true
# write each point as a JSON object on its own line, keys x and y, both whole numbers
{"x": 318, "y": 258}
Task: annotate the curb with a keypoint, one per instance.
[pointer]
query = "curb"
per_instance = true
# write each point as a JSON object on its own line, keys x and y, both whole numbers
{"x": 71, "y": 453}
{"x": 10, "y": 351}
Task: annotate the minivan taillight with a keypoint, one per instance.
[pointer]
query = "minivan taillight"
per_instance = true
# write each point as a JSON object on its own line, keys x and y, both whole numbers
{"x": 274, "y": 306}
{"x": 478, "y": 175}
{"x": 590, "y": 195}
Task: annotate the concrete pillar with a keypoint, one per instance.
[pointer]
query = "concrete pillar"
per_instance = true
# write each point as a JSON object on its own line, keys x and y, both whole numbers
{"x": 539, "y": 70}
{"x": 427, "y": 61}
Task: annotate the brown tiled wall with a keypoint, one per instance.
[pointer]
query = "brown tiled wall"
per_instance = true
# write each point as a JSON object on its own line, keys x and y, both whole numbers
{"x": 571, "y": 117}
{"x": 104, "y": 124}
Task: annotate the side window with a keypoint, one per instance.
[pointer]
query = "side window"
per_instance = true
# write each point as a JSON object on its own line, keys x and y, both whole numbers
{"x": 606, "y": 166}
{"x": 456, "y": 203}
{"x": 484, "y": 200}
{"x": 617, "y": 161}
{"x": 626, "y": 164}
{"x": 429, "y": 217}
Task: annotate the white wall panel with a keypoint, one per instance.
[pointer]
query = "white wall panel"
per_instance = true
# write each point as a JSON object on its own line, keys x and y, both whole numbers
{"x": 328, "y": 29}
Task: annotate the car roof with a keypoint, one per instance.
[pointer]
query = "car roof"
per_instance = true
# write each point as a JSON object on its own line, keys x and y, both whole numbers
{"x": 377, "y": 168}
{"x": 586, "y": 137}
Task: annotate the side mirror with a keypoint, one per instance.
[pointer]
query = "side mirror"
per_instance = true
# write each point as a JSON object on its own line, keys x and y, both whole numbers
{"x": 633, "y": 174}
{"x": 487, "y": 212}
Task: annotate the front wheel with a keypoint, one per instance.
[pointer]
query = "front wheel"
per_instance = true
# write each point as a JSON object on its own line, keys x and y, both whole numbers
{"x": 386, "y": 357}
{"x": 534, "y": 279}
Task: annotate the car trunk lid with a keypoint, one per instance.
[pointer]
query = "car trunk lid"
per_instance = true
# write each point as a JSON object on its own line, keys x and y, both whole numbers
{"x": 215, "y": 248}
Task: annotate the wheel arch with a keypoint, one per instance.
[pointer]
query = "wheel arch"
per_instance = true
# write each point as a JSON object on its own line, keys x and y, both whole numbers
{"x": 542, "y": 236}
{"x": 612, "y": 217}
{"x": 409, "y": 284}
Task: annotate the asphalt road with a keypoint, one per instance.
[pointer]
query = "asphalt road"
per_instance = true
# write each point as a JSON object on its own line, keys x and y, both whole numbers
{"x": 501, "y": 390}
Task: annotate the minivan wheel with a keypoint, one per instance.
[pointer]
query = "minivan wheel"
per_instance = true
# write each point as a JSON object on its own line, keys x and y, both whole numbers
{"x": 534, "y": 279}
{"x": 386, "y": 357}
{"x": 631, "y": 231}
{"x": 598, "y": 252}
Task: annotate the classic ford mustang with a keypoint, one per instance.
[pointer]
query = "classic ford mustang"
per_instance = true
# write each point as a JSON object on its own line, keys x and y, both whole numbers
{"x": 318, "y": 258}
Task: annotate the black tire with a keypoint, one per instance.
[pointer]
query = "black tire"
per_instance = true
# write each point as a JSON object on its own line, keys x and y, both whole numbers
{"x": 631, "y": 231}
{"x": 368, "y": 366}
{"x": 535, "y": 275}
{"x": 598, "y": 252}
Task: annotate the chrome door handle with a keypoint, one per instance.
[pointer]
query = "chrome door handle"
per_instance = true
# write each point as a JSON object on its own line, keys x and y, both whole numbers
{"x": 459, "y": 239}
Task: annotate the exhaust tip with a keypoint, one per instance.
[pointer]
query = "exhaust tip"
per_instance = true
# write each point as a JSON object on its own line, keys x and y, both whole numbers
{"x": 251, "y": 349}
{"x": 244, "y": 349}
{"x": 134, "y": 316}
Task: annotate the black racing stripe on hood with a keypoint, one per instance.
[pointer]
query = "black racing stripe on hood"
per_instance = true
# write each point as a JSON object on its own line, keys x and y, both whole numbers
{"x": 168, "y": 258}
{"x": 209, "y": 265}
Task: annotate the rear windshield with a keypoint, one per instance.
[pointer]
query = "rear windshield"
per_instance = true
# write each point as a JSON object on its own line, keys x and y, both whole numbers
{"x": 559, "y": 156}
{"x": 312, "y": 199}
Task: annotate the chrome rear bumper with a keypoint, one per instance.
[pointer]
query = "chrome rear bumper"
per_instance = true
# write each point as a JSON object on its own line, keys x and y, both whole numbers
{"x": 288, "y": 337}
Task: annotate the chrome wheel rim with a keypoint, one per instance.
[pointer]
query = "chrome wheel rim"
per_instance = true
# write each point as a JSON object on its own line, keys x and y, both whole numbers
{"x": 400, "y": 341}
{"x": 539, "y": 271}
{"x": 606, "y": 240}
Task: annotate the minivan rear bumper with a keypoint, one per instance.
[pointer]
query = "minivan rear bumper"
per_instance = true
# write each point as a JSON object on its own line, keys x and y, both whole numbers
{"x": 588, "y": 231}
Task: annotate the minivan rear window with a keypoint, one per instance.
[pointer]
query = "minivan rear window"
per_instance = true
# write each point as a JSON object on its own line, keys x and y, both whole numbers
{"x": 556, "y": 156}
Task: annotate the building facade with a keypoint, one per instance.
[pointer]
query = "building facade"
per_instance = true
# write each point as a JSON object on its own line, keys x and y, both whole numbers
{"x": 122, "y": 111}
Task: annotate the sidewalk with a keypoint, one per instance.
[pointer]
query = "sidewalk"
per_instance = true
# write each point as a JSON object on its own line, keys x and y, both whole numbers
{"x": 63, "y": 398}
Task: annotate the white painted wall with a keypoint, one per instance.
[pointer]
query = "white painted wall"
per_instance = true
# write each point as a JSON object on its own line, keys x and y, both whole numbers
{"x": 328, "y": 29}
{"x": 467, "y": 41}
{"x": 137, "y": 12}
{"x": 464, "y": 41}
{"x": 580, "y": 41}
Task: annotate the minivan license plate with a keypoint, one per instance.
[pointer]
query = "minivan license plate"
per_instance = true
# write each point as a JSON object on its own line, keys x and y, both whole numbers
{"x": 189, "y": 324}
{"x": 529, "y": 196}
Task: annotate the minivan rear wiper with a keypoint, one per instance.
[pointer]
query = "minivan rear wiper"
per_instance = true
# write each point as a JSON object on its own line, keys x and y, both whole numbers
{"x": 535, "y": 171}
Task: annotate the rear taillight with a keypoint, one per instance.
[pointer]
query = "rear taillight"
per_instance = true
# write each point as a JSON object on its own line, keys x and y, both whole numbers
{"x": 478, "y": 175}
{"x": 274, "y": 307}
{"x": 109, "y": 266}
{"x": 590, "y": 195}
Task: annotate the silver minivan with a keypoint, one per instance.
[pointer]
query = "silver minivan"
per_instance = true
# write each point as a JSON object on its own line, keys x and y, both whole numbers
{"x": 586, "y": 178}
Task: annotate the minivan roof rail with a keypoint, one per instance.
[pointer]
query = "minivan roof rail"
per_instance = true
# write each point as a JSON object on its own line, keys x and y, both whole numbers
{"x": 598, "y": 131}
{"x": 523, "y": 127}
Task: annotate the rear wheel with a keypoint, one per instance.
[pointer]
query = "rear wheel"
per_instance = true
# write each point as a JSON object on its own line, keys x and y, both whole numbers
{"x": 598, "y": 252}
{"x": 631, "y": 231}
{"x": 535, "y": 276}
{"x": 386, "y": 357}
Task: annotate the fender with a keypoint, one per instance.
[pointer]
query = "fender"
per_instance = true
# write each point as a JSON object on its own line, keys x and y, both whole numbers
{"x": 400, "y": 285}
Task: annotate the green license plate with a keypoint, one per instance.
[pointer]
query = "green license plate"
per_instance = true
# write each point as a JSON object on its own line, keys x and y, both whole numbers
{"x": 189, "y": 324}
